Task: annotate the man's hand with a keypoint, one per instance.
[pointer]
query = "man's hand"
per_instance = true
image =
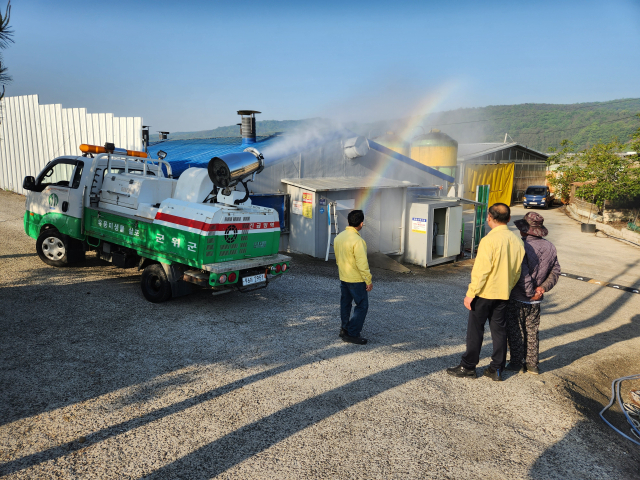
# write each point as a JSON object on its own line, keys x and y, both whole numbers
{"x": 538, "y": 295}
{"x": 369, "y": 287}
{"x": 467, "y": 302}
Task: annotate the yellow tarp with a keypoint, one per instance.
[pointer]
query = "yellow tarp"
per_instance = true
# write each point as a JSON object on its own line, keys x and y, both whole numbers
{"x": 500, "y": 177}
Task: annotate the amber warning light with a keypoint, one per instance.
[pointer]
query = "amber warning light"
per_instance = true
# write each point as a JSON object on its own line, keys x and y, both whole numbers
{"x": 96, "y": 149}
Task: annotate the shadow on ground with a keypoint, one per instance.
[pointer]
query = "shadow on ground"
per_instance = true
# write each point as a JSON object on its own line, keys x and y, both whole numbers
{"x": 64, "y": 344}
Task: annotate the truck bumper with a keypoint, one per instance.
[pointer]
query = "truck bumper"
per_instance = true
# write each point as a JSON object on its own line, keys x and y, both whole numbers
{"x": 222, "y": 267}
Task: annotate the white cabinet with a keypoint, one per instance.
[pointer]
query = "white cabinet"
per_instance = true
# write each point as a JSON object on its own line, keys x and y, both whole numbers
{"x": 434, "y": 232}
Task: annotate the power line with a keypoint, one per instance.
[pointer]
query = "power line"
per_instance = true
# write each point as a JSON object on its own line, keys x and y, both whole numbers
{"x": 529, "y": 114}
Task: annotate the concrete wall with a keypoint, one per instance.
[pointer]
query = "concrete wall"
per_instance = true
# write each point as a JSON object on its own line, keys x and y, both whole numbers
{"x": 583, "y": 217}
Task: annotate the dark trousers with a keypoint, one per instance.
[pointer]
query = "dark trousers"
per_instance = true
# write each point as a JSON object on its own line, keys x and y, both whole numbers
{"x": 353, "y": 293}
{"x": 483, "y": 309}
{"x": 523, "y": 322}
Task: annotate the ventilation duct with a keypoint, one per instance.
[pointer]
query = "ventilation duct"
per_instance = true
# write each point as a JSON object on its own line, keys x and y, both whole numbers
{"x": 356, "y": 147}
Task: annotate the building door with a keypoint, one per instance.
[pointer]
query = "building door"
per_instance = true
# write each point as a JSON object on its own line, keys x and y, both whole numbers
{"x": 454, "y": 231}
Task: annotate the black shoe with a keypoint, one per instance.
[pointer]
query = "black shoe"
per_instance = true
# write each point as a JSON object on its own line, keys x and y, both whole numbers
{"x": 493, "y": 373}
{"x": 462, "y": 372}
{"x": 356, "y": 340}
{"x": 514, "y": 367}
{"x": 343, "y": 332}
{"x": 532, "y": 369}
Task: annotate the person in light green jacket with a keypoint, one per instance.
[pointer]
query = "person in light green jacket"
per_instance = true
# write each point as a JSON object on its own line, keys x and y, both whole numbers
{"x": 355, "y": 278}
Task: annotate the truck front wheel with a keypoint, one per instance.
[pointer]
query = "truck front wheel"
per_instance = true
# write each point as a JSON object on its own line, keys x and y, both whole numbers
{"x": 52, "y": 248}
{"x": 155, "y": 284}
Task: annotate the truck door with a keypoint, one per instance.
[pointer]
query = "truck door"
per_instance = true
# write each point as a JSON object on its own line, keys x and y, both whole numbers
{"x": 57, "y": 197}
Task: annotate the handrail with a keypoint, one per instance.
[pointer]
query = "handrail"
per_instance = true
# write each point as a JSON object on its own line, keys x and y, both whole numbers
{"x": 169, "y": 171}
{"x": 145, "y": 162}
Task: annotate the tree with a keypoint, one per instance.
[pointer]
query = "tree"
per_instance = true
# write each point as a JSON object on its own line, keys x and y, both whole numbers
{"x": 567, "y": 170}
{"x": 609, "y": 175}
{"x": 5, "y": 39}
{"x": 634, "y": 144}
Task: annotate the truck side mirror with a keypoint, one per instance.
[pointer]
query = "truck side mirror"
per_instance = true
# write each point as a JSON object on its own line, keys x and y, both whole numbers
{"x": 29, "y": 183}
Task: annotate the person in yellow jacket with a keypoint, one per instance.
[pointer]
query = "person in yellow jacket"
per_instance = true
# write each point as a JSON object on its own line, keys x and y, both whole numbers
{"x": 495, "y": 272}
{"x": 355, "y": 278}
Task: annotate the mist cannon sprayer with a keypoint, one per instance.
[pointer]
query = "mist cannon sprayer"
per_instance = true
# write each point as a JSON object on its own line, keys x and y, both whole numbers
{"x": 226, "y": 171}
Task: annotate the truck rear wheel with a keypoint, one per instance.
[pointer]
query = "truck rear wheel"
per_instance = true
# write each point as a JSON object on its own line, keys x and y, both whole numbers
{"x": 155, "y": 284}
{"x": 52, "y": 248}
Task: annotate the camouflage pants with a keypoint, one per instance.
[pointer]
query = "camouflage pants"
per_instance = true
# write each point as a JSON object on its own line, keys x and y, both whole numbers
{"x": 523, "y": 321}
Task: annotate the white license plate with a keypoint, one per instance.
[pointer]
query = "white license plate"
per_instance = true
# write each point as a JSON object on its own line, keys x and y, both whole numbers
{"x": 254, "y": 279}
{"x": 533, "y": 203}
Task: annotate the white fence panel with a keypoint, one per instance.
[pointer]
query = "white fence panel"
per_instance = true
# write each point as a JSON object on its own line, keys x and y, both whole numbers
{"x": 4, "y": 149}
{"x": 22, "y": 144}
{"x": 12, "y": 136}
{"x": 32, "y": 134}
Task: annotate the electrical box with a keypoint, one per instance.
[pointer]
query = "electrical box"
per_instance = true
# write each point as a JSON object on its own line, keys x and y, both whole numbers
{"x": 434, "y": 231}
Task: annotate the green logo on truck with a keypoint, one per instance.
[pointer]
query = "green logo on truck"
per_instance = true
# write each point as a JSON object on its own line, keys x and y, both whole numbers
{"x": 53, "y": 200}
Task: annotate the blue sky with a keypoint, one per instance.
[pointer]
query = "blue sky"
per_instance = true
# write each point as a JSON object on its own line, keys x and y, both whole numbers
{"x": 190, "y": 65}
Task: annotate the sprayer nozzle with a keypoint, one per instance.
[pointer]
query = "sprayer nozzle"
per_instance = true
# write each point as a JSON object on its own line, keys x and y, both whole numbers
{"x": 231, "y": 169}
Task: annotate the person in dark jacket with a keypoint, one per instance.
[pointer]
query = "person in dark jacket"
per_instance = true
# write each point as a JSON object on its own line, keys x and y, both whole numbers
{"x": 539, "y": 274}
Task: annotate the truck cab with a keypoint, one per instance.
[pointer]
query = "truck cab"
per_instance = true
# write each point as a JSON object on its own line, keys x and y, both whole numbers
{"x": 537, "y": 196}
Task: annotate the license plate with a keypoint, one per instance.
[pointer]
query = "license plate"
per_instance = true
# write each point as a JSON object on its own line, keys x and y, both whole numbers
{"x": 533, "y": 203}
{"x": 254, "y": 279}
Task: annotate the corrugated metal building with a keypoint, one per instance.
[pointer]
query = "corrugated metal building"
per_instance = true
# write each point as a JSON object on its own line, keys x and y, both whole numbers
{"x": 32, "y": 134}
{"x": 293, "y": 157}
{"x": 509, "y": 167}
{"x": 298, "y": 164}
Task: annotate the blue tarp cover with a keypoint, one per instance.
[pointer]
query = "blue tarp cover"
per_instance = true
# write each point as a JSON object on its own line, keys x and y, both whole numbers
{"x": 182, "y": 154}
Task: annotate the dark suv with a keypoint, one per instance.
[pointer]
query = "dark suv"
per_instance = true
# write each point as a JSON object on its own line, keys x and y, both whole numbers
{"x": 537, "y": 196}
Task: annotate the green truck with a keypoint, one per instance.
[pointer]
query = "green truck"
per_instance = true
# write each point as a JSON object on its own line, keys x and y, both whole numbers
{"x": 198, "y": 230}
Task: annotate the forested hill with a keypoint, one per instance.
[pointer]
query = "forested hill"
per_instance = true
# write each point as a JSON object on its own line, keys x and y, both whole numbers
{"x": 541, "y": 126}
{"x": 538, "y": 125}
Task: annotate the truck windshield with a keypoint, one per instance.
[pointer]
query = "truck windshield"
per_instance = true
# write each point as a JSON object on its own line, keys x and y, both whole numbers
{"x": 59, "y": 174}
{"x": 536, "y": 191}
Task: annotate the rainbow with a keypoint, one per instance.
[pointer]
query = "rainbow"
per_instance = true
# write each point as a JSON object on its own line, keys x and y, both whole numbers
{"x": 425, "y": 106}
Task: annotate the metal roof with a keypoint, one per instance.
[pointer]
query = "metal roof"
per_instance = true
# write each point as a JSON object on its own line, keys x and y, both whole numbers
{"x": 182, "y": 154}
{"x": 326, "y": 184}
{"x": 197, "y": 152}
{"x": 467, "y": 151}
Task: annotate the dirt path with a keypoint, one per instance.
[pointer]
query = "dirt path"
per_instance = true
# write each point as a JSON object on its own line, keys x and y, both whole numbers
{"x": 98, "y": 383}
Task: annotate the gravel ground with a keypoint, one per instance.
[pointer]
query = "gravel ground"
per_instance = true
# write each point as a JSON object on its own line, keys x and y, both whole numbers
{"x": 98, "y": 383}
